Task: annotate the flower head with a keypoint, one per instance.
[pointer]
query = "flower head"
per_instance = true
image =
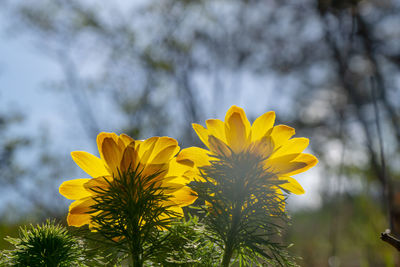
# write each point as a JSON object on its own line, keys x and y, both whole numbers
{"x": 241, "y": 177}
{"x": 120, "y": 156}
{"x": 281, "y": 155}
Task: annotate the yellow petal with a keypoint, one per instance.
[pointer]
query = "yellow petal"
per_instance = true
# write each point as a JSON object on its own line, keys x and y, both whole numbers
{"x": 184, "y": 196}
{"x": 170, "y": 188}
{"x": 281, "y": 165}
{"x": 138, "y": 143}
{"x": 98, "y": 183}
{"x": 165, "y": 155}
{"x": 78, "y": 220}
{"x": 155, "y": 169}
{"x": 112, "y": 155}
{"x": 182, "y": 179}
{"x": 121, "y": 144}
{"x": 281, "y": 134}
{"x": 100, "y": 138}
{"x": 81, "y": 206}
{"x": 243, "y": 118}
{"x": 196, "y": 155}
{"x": 74, "y": 189}
{"x": 292, "y": 185}
{"x": 308, "y": 160}
{"x": 236, "y": 132}
{"x": 126, "y": 139}
{"x": 166, "y": 142}
{"x": 281, "y": 198}
{"x": 262, "y": 125}
{"x": 218, "y": 147}
{"x": 293, "y": 146}
{"x": 78, "y": 212}
{"x": 177, "y": 169}
{"x": 178, "y": 210}
{"x": 93, "y": 225}
{"x": 146, "y": 148}
{"x": 285, "y": 158}
{"x": 201, "y": 132}
{"x": 92, "y": 165}
{"x": 129, "y": 159}
{"x": 193, "y": 175}
{"x": 262, "y": 147}
{"x": 216, "y": 128}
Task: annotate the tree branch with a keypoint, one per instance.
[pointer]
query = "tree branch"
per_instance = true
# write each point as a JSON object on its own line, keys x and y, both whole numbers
{"x": 394, "y": 242}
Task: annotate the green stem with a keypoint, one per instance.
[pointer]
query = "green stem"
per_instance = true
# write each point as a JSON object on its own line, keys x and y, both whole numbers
{"x": 135, "y": 259}
{"x": 228, "y": 252}
{"x": 229, "y": 245}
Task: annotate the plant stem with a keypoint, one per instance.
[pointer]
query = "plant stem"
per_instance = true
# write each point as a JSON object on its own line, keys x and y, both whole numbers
{"x": 135, "y": 259}
{"x": 227, "y": 255}
{"x": 229, "y": 245}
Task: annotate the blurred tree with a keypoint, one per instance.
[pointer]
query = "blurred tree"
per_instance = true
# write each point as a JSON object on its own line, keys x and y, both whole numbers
{"x": 9, "y": 147}
{"x": 21, "y": 177}
{"x": 333, "y": 67}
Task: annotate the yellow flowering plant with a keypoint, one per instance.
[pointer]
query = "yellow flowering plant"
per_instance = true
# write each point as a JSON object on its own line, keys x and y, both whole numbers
{"x": 138, "y": 187}
{"x": 136, "y": 190}
{"x": 242, "y": 176}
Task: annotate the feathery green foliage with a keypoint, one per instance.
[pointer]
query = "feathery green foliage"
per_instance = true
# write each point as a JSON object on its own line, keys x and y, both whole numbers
{"x": 130, "y": 215}
{"x": 244, "y": 209}
{"x": 187, "y": 245}
{"x": 46, "y": 245}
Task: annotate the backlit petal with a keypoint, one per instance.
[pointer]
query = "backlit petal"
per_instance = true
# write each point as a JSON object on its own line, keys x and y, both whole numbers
{"x": 155, "y": 169}
{"x": 126, "y": 139}
{"x": 165, "y": 155}
{"x": 184, "y": 196}
{"x": 176, "y": 168}
{"x": 281, "y": 199}
{"x": 92, "y": 165}
{"x": 78, "y": 212}
{"x": 178, "y": 211}
{"x": 121, "y": 144}
{"x": 74, "y": 189}
{"x": 100, "y": 138}
{"x": 219, "y": 147}
{"x": 216, "y": 128}
{"x": 97, "y": 184}
{"x": 129, "y": 159}
{"x": 262, "y": 147}
{"x": 281, "y": 134}
{"x": 293, "y": 146}
{"x": 308, "y": 160}
{"x": 178, "y": 179}
{"x": 196, "y": 155}
{"x": 236, "y": 132}
{"x": 292, "y": 186}
{"x": 202, "y": 132}
{"x": 281, "y": 166}
{"x": 170, "y": 188}
{"x": 243, "y": 118}
{"x": 112, "y": 155}
{"x": 78, "y": 220}
{"x": 166, "y": 142}
{"x": 262, "y": 125}
{"x": 146, "y": 149}
{"x": 81, "y": 206}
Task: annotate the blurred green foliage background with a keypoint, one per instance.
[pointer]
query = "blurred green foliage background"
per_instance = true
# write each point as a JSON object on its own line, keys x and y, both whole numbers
{"x": 328, "y": 68}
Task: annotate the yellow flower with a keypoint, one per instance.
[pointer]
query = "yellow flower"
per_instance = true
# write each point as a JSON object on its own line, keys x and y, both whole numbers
{"x": 118, "y": 155}
{"x": 282, "y": 155}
